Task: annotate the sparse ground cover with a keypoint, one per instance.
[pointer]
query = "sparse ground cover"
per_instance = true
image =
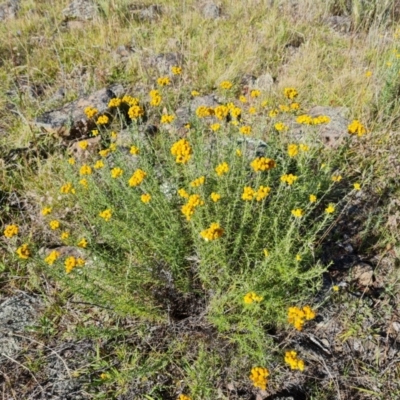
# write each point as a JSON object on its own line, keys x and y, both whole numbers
{"x": 199, "y": 200}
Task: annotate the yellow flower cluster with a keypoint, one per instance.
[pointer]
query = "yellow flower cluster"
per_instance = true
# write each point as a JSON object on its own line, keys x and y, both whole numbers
{"x": 176, "y": 70}
{"x": 204, "y": 111}
{"x": 336, "y": 178}
{"x": 356, "y": 128}
{"x": 72, "y": 262}
{"x": 131, "y": 101}
{"x": 98, "y": 164}
{"x": 221, "y": 112}
{"x": 106, "y": 214}
{"x": 313, "y": 198}
{"x": 102, "y": 120}
{"x": 183, "y": 397}
{"x": 261, "y": 193}
{"x": 212, "y": 233}
{"x": 262, "y": 164}
{"x": 215, "y": 197}
{"x": 290, "y": 93}
{"x": 46, "y": 211}
{"x": 104, "y": 153}
{"x": 297, "y": 316}
{"x": 188, "y": 209}
{"x": 155, "y": 98}
{"x": 54, "y": 224}
{"x": 134, "y": 150}
{"x": 23, "y": 252}
{"x": 222, "y": 169}
{"x": 85, "y": 170}
{"x": 135, "y": 112}
{"x": 215, "y": 127}
{"x": 289, "y": 178}
{"x": 242, "y": 99}
{"x": 234, "y": 111}
{"x": 183, "y": 193}
{"x": 252, "y": 297}
{"x": 115, "y": 102}
{"x": 280, "y": 126}
{"x": 84, "y": 183}
{"x": 308, "y": 120}
{"x": 164, "y": 81}
{"x": 258, "y": 376}
{"x": 145, "y": 198}
{"x": 67, "y": 188}
{"x": 83, "y": 243}
{"x": 245, "y": 130}
{"x": 298, "y": 212}
{"x": 255, "y": 93}
{"x": 330, "y": 209}
{"x": 90, "y": 112}
{"x": 167, "y": 119}
{"x": 64, "y": 235}
{"x": 226, "y": 85}
{"x": 293, "y": 361}
{"x": 284, "y": 108}
{"x": 83, "y": 144}
{"x": 182, "y": 151}
{"x": 10, "y": 231}
{"x": 293, "y": 150}
{"x": 116, "y": 172}
{"x": 273, "y": 113}
{"x": 137, "y": 177}
{"x": 198, "y": 182}
{"x": 52, "y": 257}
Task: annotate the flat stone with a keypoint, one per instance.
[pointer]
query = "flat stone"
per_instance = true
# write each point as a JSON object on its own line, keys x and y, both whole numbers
{"x": 362, "y": 273}
{"x": 210, "y": 10}
{"x": 82, "y": 10}
{"x": 9, "y": 9}
{"x": 264, "y": 82}
{"x": 142, "y": 12}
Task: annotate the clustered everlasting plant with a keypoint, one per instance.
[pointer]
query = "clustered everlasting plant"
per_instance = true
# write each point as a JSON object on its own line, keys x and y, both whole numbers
{"x": 248, "y": 215}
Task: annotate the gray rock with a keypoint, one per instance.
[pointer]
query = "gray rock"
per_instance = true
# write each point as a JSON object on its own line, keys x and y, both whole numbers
{"x": 362, "y": 273}
{"x": 264, "y": 82}
{"x": 82, "y": 10}
{"x": 142, "y": 12}
{"x": 9, "y": 9}
{"x": 211, "y": 11}
{"x": 70, "y": 120}
{"x": 339, "y": 23}
{"x": 164, "y": 61}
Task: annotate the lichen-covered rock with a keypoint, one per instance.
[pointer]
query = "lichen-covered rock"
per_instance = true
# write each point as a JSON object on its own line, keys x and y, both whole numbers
{"x": 82, "y": 10}
{"x": 264, "y": 82}
{"x": 211, "y": 10}
{"x": 9, "y": 9}
{"x": 142, "y": 12}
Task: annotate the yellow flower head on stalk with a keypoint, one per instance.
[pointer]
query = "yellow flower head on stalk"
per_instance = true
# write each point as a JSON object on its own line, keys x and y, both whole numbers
{"x": 116, "y": 172}
{"x": 95, "y": 132}
{"x": 255, "y": 93}
{"x": 183, "y": 193}
{"x": 215, "y": 197}
{"x": 137, "y": 178}
{"x": 289, "y": 178}
{"x": 298, "y": 257}
{"x": 313, "y": 198}
{"x": 266, "y": 252}
{"x": 195, "y": 93}
{"x": 290, "y": 93}
{"x": 221, "y": 112}
{"x": 330, "y": 209}
{"x": 297, "y": 212}
{"x": 248, "y": 193}
{"x": 182, "y": 151}
{"x": 304, "y": 147}
{"x": 273, "y": 113}
{"x": 102, "y": 120}
{"x": 83, "y": 144}
{"x": 239, "y": 152}
{"x": 198, "y": 182}
{"x": 145, "y": 198}
{"x": 297, "y": 316}
{"x": 85, "y": 170}
{"x": 67, "y": 188}
{"x": 112, "y": 147}
{"x": 284, "y": 108}
{"x": 106, "y": 214}
{"x": 215, "y": 127}
{"x": 71, "y": 161}
{"x": 134, "y": 150}
{"x": 155, "y": 101}
{"x": 336, "y": 178}
{"x": 252, "y": 297}
{"x": 23, "y": 252}
{"x": 46, "y": 210}
{"x": 115, "y": 102}
{"x": 304, "y": 119}
{"x": 164, "y": 81}
{"x": 245, "y": 130}
{"x": 70, "y": 263}
{"x": 84, "y": 183}
{"x": 52, "y": 257}
{"x": 243, "y": 99}
{"x": 293, "y": 150}
{"x": 295, "y": 106}
{"x": 213, "y": 232}
{"x": 258, "y": 376}
{"x": 235, "y": 113}
{"x": 252, "y": 110}
{"x": 104, "y": 153}
{"x": 262, "y": 192}
{"x": 99, "y": 164}
{"x": 135, "y": 112}
{"x": 204, "y": 111}
{"x": 356, "y": 128}
{"x": 322, "y": 119}
{"x": 222, "y": 169}
{"x": 90, "y": 112}
{"x": 357, "y": 186}
{"x": 167, "y": 119}
{"x": 188, "y": 209}
{"x": 113, "y": 135}
{"x": 82, "y": 243}
{"x": 262, "y": 164}
{"x": 54, "y": 224}
{"x": 183, "y": 397}
{"x": 226, "y": 85}
{"x": 131, "y": 101}
{"x": 176, "y": 70}
{"x": 293, "y": 361}
{"x": 64, "y": 235}
{"x": 10, "y": 231}
{"x": 280, "y": 126}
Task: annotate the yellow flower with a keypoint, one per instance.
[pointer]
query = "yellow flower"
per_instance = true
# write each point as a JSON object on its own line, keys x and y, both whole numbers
{"x": 104, "y": 376}
{"x": 280, "y": 126}
{"x": 183, "y": 193}
{"x": 167, "y": 119}
{"x": 284, "y": 108}
{"x": 134, "y": 150}
{"x": 295, "y": 106}
{"x": 83, "y": 243}
{"x": 298, "y": 257}
{"x": 226, "y": 85}
{"x": 71, "y": 161}
{"x": 242, "y": 99}
{"x": 155, "y": 98}
{"x": 198, "y": 182}
{"x": 297, "y": 316}
{"x": 137, "y": 177}
{"x": 313, "y": 198}
{"x": 95, "y": 132}
{"x": 54, "y": 224}
{"x": 357, "y": 186}
{"x": 293, "y": 361}
{"x": 266, "y": 252}
{"x": 46, "y": 210}
{"x": 67, "y": 188}
{"x": 252, "y": 297}
{"x": 176, "y": 70}
{"x": 131, "y": 101}
{"x": 83, "y": 144}
{"x": 215, "y": 197}
{"x": 104, "y": 153}
{"x": 293, "y": 150}
{"x": 335, "y": 288}
{"x": 304, "y": 119}
{"x": 289, "y": 179}
{"x": 164, "y": 81}
{"x": 297, "y": 212}
{"x": 356, "y": 128}
{"x": 264, "y": 103}
{"x": 188, "y": 209}
{"x": 215, "y": 127}
{"x": 10, "y": 231}
{"x": 252, "y": 110}
{"x": 262, "y": 164}
{"x": 195, "y": 93}
{"x": 102, "y": 120}
{"x": 330, "y": 209}
{"x": 145, "y": 198}
{"x": 182, "y": 151}
{"x": 221, "y": 112}
{"x": 135, "y": 112}
{"x": 183, "y": 397}
{"x": 113, "y": 135}
{"x": 113, "y": 147}
{"x": 115, "y": 102}
{"x": 222, "y": 169}
{"x": 273, "y": 113}
{"x": 64, "y": 235}
{"x": 245, "y": 130}
{"x": 52, "y": 257}
{"x": 238, "y": 152}
{"x": 255, "y": 93}
{"x": 90, "y": 112}
{"x": 70, "y": 264}
{"x": 290, "y": 93}
{"x": 303, "y": 147}
{"x": 99, "y": 164}
{"x": 106, "y": 214}
{"x": 23, "y": 252}
{"x": 262, "y": 192}
{"x": 248, "y": 193}
{"x": 85, "y": 170}
{"x": 259, "y": 377}
{"x": 116, "y": 172}
{"x": 336, "y": 178}
{"x": 84, "y": 183}
{"x": 204, "y": 111}
{"x": 322, "y": 119}
{"x": 368, "y": 74}
{"x": 213, "y": 232}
